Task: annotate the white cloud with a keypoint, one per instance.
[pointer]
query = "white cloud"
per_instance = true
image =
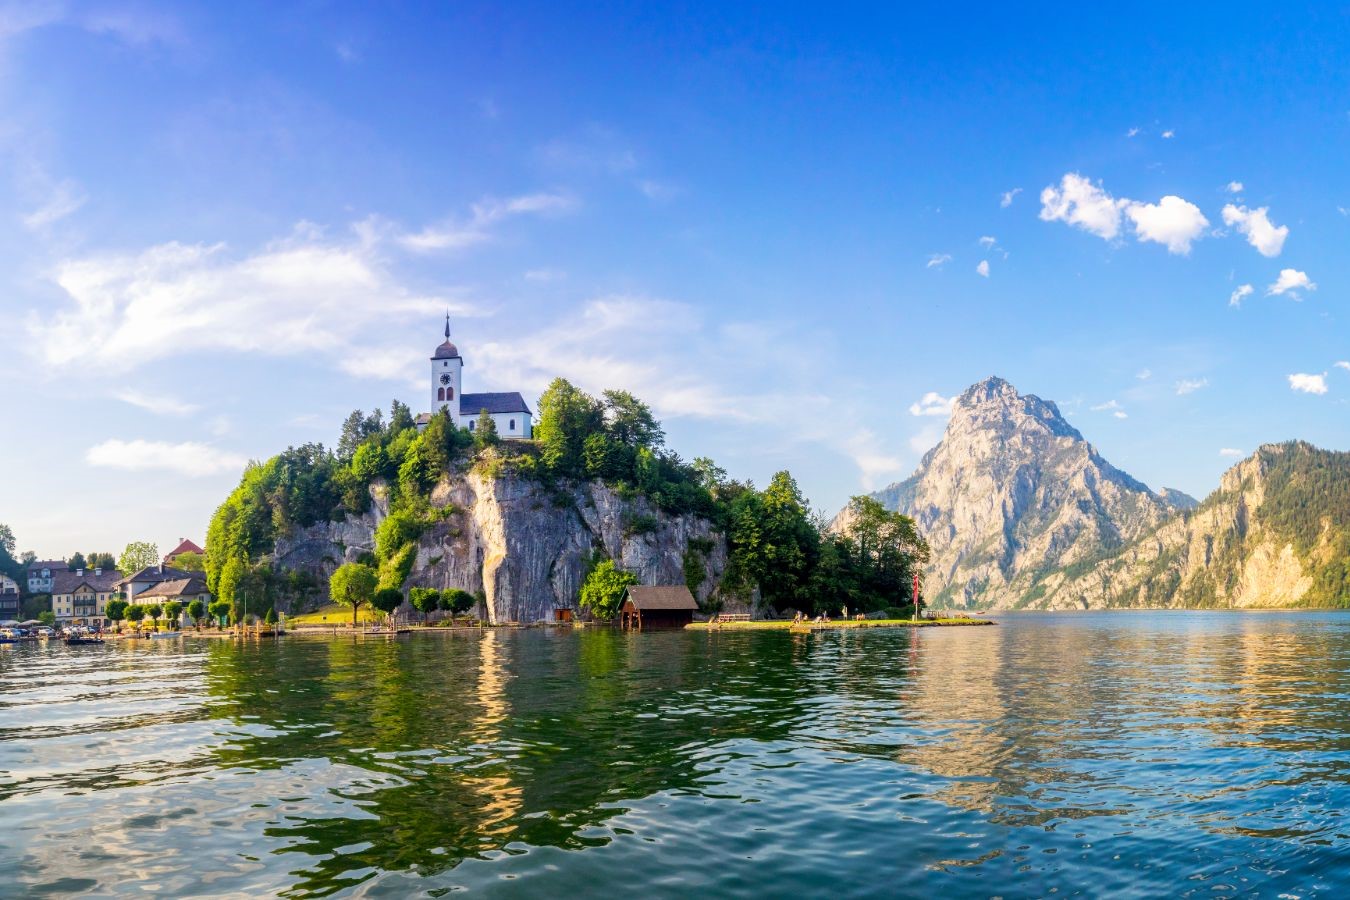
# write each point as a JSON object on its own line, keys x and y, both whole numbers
{"x": 1256, "y": 225}
{"x": 659, "y": 191}
{"x": 303, "y": 295}
{"x": 1120, "y": 414}
{"x": 167, "y": 406}
{"x": 937, "y": 260}
{"x": 1234, "y": 187}
{"x": 544, "y": 276}
{"x": 188, "y": 458}
{"x": 1290, "y": 281}
{"x": 932, "y": 404}
{"x": 1309, "y": 384}
{"x": 458, "y": 234}
{"x": 1082, "y": 204}
{"x": 1172, "y": 221}
{"x": 1229, "y": 451}
{"x": 988, "y": 241}
{"x": 1168, "y": 134}
{"x": 1111, "y": 406}
{"x": 1008, "y": 197}
{"x": 1144, "y": 374}
{"x": 1133, "y": 132}
{"x": 983, "y": 268}
{"x": 1341, "y": 364}
{"x": 64, "y": 198}
{"x": 1191, "y": 385}
{"x": 1240, "y": 293}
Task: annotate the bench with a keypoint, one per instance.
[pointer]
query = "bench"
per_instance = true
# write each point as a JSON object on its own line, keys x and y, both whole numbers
{"x": 731, "y": 617}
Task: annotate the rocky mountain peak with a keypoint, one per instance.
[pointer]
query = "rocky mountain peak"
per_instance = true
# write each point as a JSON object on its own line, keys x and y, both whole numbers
{"x": 995, "y": 402}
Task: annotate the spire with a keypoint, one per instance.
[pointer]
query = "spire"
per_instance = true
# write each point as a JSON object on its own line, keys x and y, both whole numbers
{"x": 447, "y": 324}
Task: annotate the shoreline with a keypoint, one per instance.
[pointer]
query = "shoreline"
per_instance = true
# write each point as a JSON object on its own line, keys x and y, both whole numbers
{"x": 785, "y": 625}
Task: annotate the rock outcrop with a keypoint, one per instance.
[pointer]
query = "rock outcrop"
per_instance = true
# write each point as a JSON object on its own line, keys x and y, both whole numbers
{"x": 1012, "y": 494}
{"x": 525, "y": 547}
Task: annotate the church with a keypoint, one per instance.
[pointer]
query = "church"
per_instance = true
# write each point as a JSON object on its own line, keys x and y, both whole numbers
{"x": 507, "y": 409}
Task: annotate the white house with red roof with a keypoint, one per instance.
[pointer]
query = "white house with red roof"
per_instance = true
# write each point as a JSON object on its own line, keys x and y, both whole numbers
{"x": 507, "y": 408}
{"x": 184, "y": 546}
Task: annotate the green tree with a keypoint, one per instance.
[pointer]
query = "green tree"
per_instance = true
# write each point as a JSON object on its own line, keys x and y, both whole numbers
{"x": 630, "y": 421}
{"x": 400, "y": 418}
{"x": 424, "y": 600}
{"x": 485, "y": 431}
{"x": 154, "y": 611}
{"x": 135, "y": 614}
{"x": 116, "y": 611}
{"x": 196, "y": 611}
{"x": 136, "y": 556}
{"x": 105, "y": 561}
{"x": 7, "y": 542}
{"x": 353, "y": 584}
{"x": 47, "y": 617}
{"x": 190, "y": 562}
{"x": 76, "y": 562}
{"x": 271, "y": 617}
{"x": 220, "y": 611}
{"x": 387, "y": 600}
{"x": 602, "y": 592}
{"x": 172, "y": 610}
{"x": 457, "y": 601}
{"x": 567, "y": 416}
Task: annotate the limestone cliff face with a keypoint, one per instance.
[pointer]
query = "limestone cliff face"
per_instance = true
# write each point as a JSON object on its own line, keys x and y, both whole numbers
{"x": 526, "y": 548}
{"x": 1011, "y": 494}
{"x": 1226, "y": 553}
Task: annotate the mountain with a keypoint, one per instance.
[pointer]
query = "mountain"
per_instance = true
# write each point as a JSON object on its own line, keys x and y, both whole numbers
{"x": 1275, "y": 533}
{"x": 1012, "y": 494}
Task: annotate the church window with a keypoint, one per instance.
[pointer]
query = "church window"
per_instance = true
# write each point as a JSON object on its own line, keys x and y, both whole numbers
{"x": 513, "y": 425}
{"x": 440, "y": 394}
{"x": 449, "y": 393}
{"x": 471, "y": 424}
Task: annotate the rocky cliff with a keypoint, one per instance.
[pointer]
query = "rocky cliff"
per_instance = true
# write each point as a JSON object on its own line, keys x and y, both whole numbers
{"x": 524, "y": 546}
{"x": 1013, "y": 493}
{"x": 1273, "y": 534}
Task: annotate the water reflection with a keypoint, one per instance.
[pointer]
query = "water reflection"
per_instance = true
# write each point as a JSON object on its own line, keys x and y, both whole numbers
{"x": 1178, "y": 753}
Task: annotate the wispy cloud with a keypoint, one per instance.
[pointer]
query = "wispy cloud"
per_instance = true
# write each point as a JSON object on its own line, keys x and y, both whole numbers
{"x": 1111, "y": 406}
{"x": 1308, "y": 384}
{"x": 1240, "y": 293}
{"x": 1191, "y": 385}
{"x": 1007, "y": 198}
{"x": 983, "y": 268}
{"x": 937, "y": 260}
{"x": 988, "y": 241}
{"x": 476, "y": 228}
{"x": 1168, "y": 134}
{"x": 1234, "y": 187}
{"x": 1229, "y": 451}
{"x": 159, "y": 404}
{"x": 932, "y": 404}
{"x": 189, "y": 458}
{"x": 1342, "y": 364}
{"x": 63, "y": 198}
{"x": 1144, "y": 374}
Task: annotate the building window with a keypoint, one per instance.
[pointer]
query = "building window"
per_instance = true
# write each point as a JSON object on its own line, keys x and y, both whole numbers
{"x": 513, "y": 425}
{"x": 471, "y": 424}
{"x": 440, "y": 394}
{"x": 450, "y": 393}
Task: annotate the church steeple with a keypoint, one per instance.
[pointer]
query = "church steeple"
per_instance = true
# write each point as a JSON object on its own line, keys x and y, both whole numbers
{"x": 447, "y": 324}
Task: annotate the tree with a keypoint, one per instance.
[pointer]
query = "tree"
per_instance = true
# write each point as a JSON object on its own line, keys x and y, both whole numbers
{"x": 424, "y": 600}
{"x": 271, "y": 617}
{"x": 135, "y": 613}
{"x": 7, "y": 542}
{"x": 47, "y": 617}
{"x": 485, "y": 432}
{"x": 136, "y": 556}
{"x": 457, "y": 600}
{"x": 386, "y": 600}
{"x": 116, "y": 611}
{"x": 105, "y": 561}
{"x": 400, "y": 418}
{"x": 630, "y": 421}
{"x": 220, "y": 611}
{"x": 154, "y": 611}
{"x": 172, "y": 611}
{"x": 196, "y": 611}
{"x": 190, "y": 562}
{"x": 603, "y": 590}
{"x": 353, "y": 584}
{"x": 567, "y": 416}
{"x": 76, "y": 562}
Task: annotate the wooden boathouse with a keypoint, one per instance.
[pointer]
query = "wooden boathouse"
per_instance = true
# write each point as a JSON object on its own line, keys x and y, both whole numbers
{"x": 660, "y": 606}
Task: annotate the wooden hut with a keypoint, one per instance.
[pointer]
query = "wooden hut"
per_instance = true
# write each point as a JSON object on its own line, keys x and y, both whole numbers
{"x": 660, "y": 606}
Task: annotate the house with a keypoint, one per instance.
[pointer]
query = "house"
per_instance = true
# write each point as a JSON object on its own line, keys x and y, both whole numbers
{"x": 9, "y": 599}
{"x": 81, "y": 597}
{"x": 184, "y": 590}
{"x": 134, "y": 585}
{"x": 507, "y": 409}
{"x": 184, "y": 546}
{"x": 40, "y": 574}
{"x": 661, "y": 606}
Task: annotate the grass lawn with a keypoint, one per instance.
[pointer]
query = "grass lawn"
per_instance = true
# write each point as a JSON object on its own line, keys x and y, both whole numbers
{"x": 336, "y": 614}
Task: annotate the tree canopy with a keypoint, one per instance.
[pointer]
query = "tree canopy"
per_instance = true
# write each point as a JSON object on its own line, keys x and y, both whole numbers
{"x": 353, "y": 584}
{"x": 136, "y": 556}
{"x": 603, "y": 590}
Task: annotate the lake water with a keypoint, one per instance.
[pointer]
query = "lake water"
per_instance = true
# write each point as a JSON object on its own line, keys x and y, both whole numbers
{"x": 1179, "y": 754}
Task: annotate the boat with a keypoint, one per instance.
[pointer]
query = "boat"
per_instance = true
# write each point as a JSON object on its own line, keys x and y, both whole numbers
{"x": 161, "y": 635}
{"x": 79, "y": 639}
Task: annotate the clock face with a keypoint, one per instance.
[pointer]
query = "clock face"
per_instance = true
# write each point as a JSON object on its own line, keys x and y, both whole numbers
{"x": 445, "y": 379}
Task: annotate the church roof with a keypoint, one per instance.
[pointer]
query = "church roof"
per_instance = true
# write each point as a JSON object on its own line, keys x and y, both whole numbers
{"x": 446, "y": 351}
{"x": 503, "y": 402}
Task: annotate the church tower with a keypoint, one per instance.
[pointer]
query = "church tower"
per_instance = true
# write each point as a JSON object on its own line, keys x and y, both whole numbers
{"x": 447, "y": 372}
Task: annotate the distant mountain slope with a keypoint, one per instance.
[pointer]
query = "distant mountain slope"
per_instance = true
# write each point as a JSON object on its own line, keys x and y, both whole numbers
{"x": 1012, "y": 494}
{"x": 1275, "y": 533}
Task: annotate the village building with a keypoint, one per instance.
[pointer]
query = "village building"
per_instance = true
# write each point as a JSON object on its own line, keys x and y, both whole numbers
{"x": 138, "y": 583}
{"x": 9, "y": 599}
{"x": 184, "y": 546}
{"x": 41, "y": 573}
{"x": 183, "y": 590}
{"x": 507, "y": 409}
{"x": 81, "y": 597}
{"x": 659, "y": 606}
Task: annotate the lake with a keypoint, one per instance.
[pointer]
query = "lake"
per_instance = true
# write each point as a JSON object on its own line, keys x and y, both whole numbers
{"x": 1181, "y": 754}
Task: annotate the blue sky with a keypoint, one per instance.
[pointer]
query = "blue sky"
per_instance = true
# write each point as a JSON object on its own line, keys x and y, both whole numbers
{"x": 222, "y": 227}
